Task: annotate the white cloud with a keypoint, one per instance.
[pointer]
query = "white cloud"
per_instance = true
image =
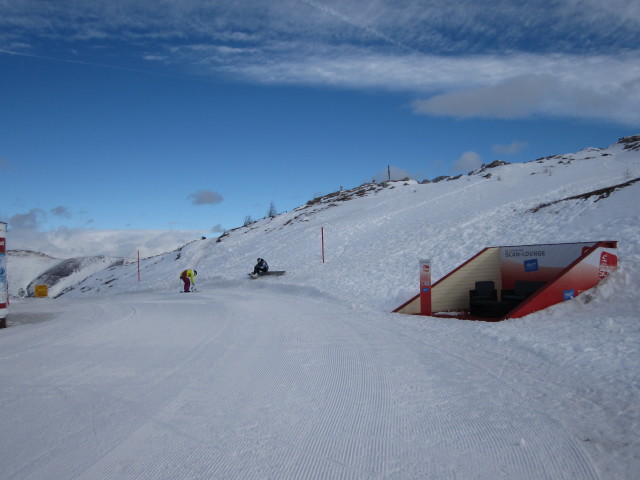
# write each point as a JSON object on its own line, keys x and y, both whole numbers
{"x": 573, "y": 91}
{"x": 513, "y": 148}
{"x": 30, "y": 231}
{"x": 467, "y": 162}
{"x": 205, "y": 197}
{"x": 66, "y": 242}
{"x": 485, "y": 86}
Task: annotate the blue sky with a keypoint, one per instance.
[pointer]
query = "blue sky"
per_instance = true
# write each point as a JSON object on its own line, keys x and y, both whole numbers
{"x": 140, "y": 124}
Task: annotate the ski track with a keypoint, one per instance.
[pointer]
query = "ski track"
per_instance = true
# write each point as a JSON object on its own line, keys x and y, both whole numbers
{"x": 312, "y": 390}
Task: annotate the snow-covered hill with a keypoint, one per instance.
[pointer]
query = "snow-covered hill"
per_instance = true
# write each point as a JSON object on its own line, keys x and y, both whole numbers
{"x": 27, "y": 269}
{"x": 375, "y": 234}
{"x": 23, "y": 267}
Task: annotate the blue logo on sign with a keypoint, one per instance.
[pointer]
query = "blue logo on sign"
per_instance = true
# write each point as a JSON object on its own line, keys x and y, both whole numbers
{"x": 425, "y": 290}
{"x": 531, "y": 265}
{"x": 568, "y": 294}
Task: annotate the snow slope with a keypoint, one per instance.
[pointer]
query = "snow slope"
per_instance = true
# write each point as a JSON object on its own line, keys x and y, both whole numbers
{"x": 309, "y": 376}
{"x": 24, "y": 267}
{"x": 34, "y": 268}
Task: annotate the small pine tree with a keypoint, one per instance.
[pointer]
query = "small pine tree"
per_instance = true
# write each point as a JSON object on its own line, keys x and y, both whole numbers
{"x": 248, "y": 220}
{"x": 628, "y": 174}
{"x": 272, "y": 210}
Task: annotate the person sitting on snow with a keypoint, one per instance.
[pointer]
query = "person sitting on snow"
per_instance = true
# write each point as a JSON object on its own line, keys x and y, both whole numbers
{"x": 188, "y": 277}
{"x": 261, "y": 267}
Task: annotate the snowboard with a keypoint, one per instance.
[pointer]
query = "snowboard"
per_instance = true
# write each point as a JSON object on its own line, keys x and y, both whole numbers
{"x": 275, "y": 273}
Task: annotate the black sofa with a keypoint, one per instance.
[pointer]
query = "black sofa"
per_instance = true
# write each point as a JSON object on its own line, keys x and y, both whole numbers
{"x": 483, "y": 299}
{"x": 522, "y": 290}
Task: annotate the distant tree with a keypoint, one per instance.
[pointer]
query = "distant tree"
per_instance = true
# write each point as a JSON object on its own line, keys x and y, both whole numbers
{"x": 628, "y": 174}
{"x": 272, "y": 210}
{"x": 248, "y": 220}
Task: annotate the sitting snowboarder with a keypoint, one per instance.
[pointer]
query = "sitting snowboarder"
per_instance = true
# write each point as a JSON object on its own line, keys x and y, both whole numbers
{"x": 260, "y": 268}
{"x": 188, "y": 277}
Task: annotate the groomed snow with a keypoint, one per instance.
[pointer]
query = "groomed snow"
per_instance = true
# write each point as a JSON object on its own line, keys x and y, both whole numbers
{"x": 310, "y": 376}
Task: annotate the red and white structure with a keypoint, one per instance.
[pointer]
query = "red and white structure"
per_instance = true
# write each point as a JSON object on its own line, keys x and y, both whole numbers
{"x": 558, "y": 272}
{"x": 4, "y": 288}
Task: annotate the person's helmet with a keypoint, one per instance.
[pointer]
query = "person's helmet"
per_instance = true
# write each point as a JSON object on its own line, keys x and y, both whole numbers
{"x": 195, "y": 272}
{"x": 260, "y": 260}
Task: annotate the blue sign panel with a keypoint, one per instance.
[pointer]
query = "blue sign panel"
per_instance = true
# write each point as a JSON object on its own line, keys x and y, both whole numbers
{"x": 531, "y": 265}
{"x": 568, "y": 294}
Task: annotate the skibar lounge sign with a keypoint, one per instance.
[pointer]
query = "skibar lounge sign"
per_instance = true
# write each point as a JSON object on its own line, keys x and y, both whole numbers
{"x": 538, "y": 262}
{"x": 545, "y": 262}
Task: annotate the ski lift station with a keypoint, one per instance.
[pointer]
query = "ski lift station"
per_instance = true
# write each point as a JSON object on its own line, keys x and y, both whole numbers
{"x": 509, "y": 282}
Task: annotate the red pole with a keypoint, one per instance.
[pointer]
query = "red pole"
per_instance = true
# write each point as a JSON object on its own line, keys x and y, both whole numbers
{"x": 322, "y": 230}
{"x": 138, "y": 265}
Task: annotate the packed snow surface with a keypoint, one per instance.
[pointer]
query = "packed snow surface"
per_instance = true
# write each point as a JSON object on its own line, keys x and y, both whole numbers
{"x": 309, "y": 375}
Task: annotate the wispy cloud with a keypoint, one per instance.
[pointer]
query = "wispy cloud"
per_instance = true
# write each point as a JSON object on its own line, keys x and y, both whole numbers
{"x": 436, "y": 27}
{"x": 464, "y": 59}
{"x": 512, "y": 148}
{"x": 61, "y": 211}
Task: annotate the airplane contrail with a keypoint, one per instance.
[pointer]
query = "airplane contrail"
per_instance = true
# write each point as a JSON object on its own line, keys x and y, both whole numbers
{"x": 330, "y": 11}
{"x": 108, "y": 66}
